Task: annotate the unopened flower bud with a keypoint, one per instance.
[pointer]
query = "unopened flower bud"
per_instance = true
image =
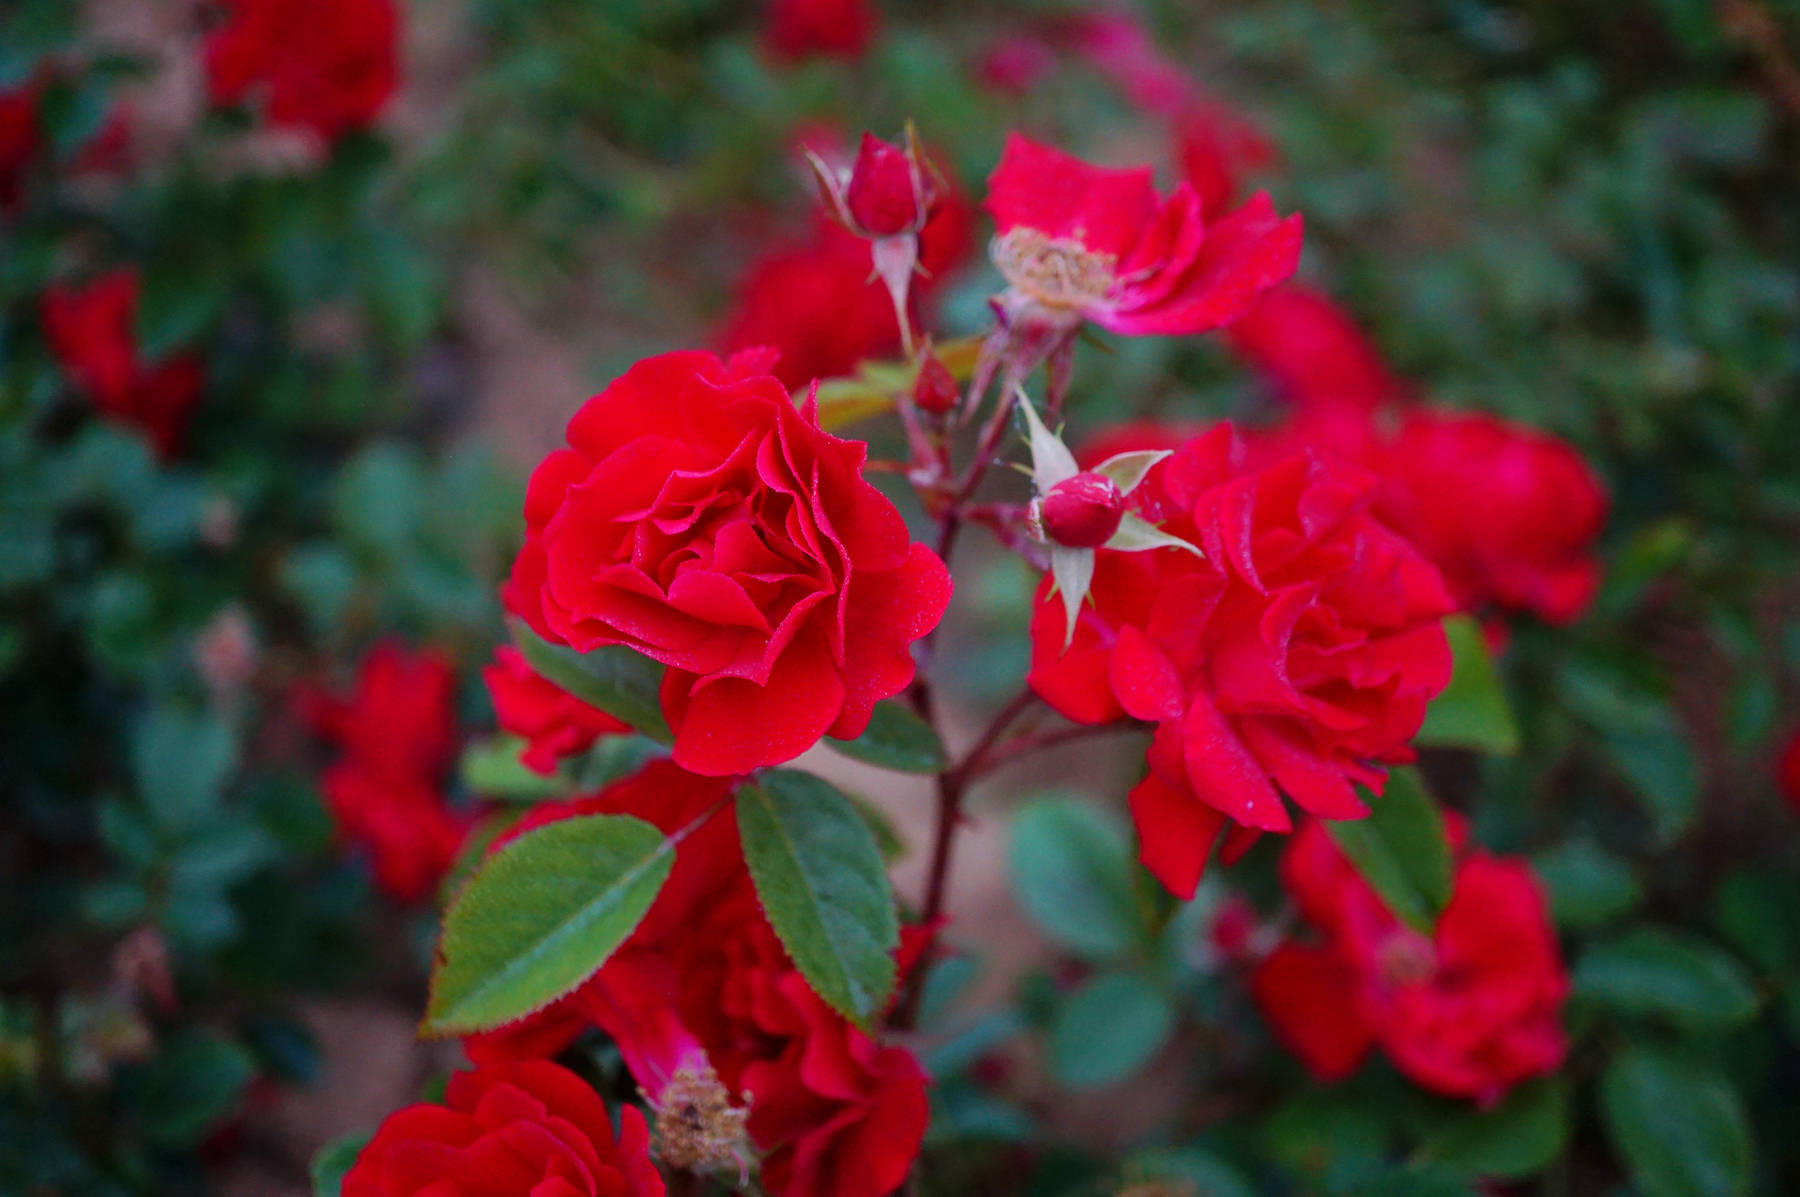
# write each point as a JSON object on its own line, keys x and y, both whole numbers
{"x": 1082, "y": 512}
{"x": 934, "y": 390}
{"x": 888, "y": 192}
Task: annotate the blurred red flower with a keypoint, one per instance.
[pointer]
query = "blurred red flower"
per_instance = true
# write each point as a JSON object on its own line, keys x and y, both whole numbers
{"x": 1078, "y": 241}
{"x": 504, "y": 1130}
{"x": 397, "y": 730}
{"x": 1295, "y": 659}
{"x": 838, "y": 28}
{"x": 1508, "y": 513}
{"x": 555, "y": 723}
{"x": 1312, "y": 350}
{"x": 19, "y": 139}
{"x": 1788, "y": 770}
{"x": 1215, "y": 148}
{"x": 712, "y": 1016}
{"x": 1468, "y": 1012}
{"x": 92, "y": 331}
{"x": 703, "y": 520}
{"x": 328, "y": 66}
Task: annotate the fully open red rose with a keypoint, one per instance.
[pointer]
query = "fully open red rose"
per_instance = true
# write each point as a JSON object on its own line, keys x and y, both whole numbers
{"x": 1469, "y": 1012}
{"x": 703, "y": 520}
{"x": 1509, "y": 514}
{"x": 554, "y": 722}
{"x": 328, "y": 66}
{"x": 92, "y": 330}
{"x": 509, "y": 1130}
{"x": 1294, "y": 660}
{"x": 1085, "y": 242}
{"x": 707, "y": 1009}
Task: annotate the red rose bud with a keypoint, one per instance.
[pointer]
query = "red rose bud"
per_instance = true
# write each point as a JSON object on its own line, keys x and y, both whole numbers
{"x": 1084, "y": 511}
{"x": 887, "y": 194}
{"x": 935, "y": 389}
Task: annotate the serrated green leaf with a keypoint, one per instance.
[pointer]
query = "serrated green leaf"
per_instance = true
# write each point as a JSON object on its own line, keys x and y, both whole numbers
{"x": 541, "y": 916}
{"x": 1651, "y": 973}
{"x": 1677, "y": 1124}
{"x": 1516, "y": 1138}
{"x": 821, "y": 882}
{"x": 1071, "y": 871}
{"x": 1108, "y": 1029}
{"x": 623, "y": 683}
{"x": 897, "y": 739}
{"x": 1401, "y": 850}
{"x": 1472, "y": 712}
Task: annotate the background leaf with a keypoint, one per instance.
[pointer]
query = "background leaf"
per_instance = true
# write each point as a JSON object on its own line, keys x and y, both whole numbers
{"x": 1401, "y": 850}
{"x": 1071, "y": 871}
{"x": 1649, "y": 972}
{"x": 1678, "y": 1125}
{"x": 896, "y": 739}
{"x": 821, "y": 881}
{"x": 1109, "y": 1029}
{"x": 1514, "y": 1139}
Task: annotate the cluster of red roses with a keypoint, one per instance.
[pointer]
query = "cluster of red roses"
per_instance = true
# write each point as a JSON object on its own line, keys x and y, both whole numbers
{"x": 329, "y": 72}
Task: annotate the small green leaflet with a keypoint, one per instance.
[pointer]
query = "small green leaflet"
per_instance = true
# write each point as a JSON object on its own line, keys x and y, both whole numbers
{"x": 1472, "y": 712}
{"x": 619, "y": 681}
{"x": 1401, "y": 850}
{"x": 541, "y": 916}
{"x": 896, "y": 739}
{"x": 820, "y": 879}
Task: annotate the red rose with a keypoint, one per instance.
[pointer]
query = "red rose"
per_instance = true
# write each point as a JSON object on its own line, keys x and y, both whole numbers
{"x": 703, "y": 520}
{"x": 802, "y": 28}
{"x": 507, "y": 1130}
{"x": 1509, "y": 514}
{"x": 92, "y": 331}
{"x": 19, "y": 139}
{"x": 399, "y": 718}
{"x": 402, "y": 824}
{"x": 1470, "y": 1012}
{"x": 1313, "y": 351}
{"x": 1215, "y": 148}
{"x": 710, "y": 1014}
{"x": 1085, "y": 242}
{"x": 328, "y": 66}
{"x": 555, "y": 722}
{"x": 1295, "y": 659}
{"x": 397, "y": 730}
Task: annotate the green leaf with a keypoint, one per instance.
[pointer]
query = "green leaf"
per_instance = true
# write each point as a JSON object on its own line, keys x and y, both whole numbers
{"x": 896, "y": 739}
{"x": 1651, "y": 973}
{"x": 1472, "y": 712}
{"x": 820, "y": 879}
{"x": 1587, "y": 885}
{"x": 492, "y": 768}
{"x": 195, "y": 1081}
{"x": 334, "y": 1160}
{"x": 1401, "y": 850}
{"x": 1678, "y": 1125}
{"x": 182, "y": 762}
{"x": 623, "y": 683}
{"x": 1516, "y": 1138}
{"x": 1755, "y": 911}
{"x": 541, "y": 916}
{"x": 1109, "y": 1029}
{"x": 1071, "y": 871}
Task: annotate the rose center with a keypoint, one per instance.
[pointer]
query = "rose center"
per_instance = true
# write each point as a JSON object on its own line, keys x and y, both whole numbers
{"x": 1054, "y": 271}
{"x": 697, "y": 1127}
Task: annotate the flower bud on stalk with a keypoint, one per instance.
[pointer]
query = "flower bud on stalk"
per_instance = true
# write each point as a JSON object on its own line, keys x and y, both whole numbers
{"x": 885, "y": 197}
